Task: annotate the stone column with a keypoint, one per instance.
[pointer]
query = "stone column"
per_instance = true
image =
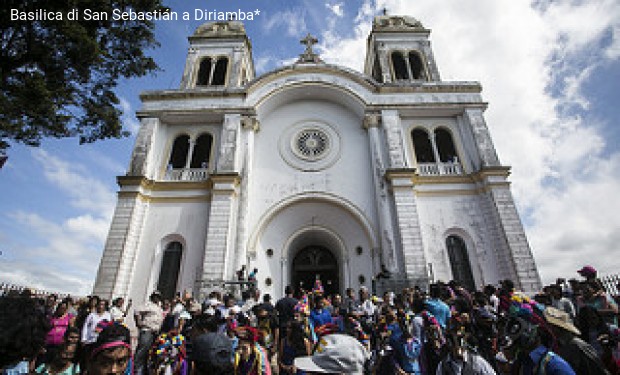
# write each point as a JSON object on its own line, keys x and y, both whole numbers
{"x": 414, "y": 258}
{"x": 140, "y": 164}
{"x": 384, "y": 63}
{"x": 221, "y": 230}
{"x": 219, "y": 253}
{"x": 190, "y": 153}
{"x": 401, "y": 182}
{"x": 515, "y": 259}
{"x": 482, "y": 137}
{"x": 388, "y": 255}
{"x": 120, "y": 250}
{"x": 229, "y": 160}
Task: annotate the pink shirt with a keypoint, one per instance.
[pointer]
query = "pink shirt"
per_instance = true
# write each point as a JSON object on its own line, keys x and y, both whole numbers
{"x": 59, "y": 327}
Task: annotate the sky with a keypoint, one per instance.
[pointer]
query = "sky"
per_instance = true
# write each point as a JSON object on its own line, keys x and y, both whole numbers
{"x": 550, "y": 71}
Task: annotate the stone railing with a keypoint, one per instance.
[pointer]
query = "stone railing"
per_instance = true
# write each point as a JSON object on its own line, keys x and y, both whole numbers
{"x": 186, "y": 174}
{"x": 439, "y": 169}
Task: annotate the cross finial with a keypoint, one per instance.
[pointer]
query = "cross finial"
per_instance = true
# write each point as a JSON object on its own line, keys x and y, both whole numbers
{"x": 309, "y": 56}
{"x": 309, "y": 41}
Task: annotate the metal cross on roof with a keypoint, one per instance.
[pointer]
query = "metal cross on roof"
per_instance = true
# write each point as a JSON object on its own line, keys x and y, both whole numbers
{"x": 309, "y": 41}
{"x": 309, "y": 56}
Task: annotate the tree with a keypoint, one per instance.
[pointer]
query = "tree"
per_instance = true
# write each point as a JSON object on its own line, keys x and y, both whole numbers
{"x": 57, "y": 77}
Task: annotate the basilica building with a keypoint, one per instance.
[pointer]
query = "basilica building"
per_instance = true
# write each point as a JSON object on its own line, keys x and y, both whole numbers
{"x": 384, "y": 179}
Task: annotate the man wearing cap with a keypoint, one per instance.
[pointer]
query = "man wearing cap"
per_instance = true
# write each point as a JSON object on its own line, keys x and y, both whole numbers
{"x": 335, "y": 354}
{"x": 588, "y": 272}
{"x": 148, "y": 320}
{"x": 579, "y": 354}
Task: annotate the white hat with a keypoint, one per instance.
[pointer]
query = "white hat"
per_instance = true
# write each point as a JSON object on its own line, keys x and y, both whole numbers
{"x": 335, "y": 353}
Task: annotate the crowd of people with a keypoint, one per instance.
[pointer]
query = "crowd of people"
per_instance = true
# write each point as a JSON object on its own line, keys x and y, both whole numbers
{"x": 567, "y": 328}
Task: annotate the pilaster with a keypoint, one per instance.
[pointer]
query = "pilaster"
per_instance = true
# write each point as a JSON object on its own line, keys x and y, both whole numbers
{"x": 221, "y": 231}
{"x": 140, "y": 158}
{"x": 407, "y": 219}
{"x": 229, "y": 159}
{"x": 394, "y": 136}
{"x": 120, "y": 250}
{"x": 515, "y": 259}
{"x": 388, "y": 254}
{"x": 482, "y": 137}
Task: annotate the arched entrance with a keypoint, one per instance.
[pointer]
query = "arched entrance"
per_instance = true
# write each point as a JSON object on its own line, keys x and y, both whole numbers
{"x": 459, "y": 262}
{"x": 316, "y": 262}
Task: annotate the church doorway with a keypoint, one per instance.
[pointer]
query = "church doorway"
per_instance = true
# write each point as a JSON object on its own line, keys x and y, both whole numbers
{"x": 459, "y": 262}
{"x": 312, "y": 263}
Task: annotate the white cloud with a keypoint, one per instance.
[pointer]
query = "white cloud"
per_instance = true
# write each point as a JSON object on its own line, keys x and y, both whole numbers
{"x": 293, "y": 21}
{"x": 336, "y": 9}
{"x": 84, "y": 190}
{"x": 61, "y": 254}
{"x": 128, "y": 118}
{"x": 532, "y": 63}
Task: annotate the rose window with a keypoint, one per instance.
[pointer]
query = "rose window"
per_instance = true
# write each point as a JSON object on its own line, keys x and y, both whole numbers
{"x": 312, "y": 143}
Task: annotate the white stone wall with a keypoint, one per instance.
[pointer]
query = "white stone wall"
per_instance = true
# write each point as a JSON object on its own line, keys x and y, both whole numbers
{"x": 463, "y": 215}
{"x": 168, "y": 222}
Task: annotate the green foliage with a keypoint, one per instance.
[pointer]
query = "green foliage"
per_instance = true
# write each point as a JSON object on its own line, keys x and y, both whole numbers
{"x": 57, "y": 78}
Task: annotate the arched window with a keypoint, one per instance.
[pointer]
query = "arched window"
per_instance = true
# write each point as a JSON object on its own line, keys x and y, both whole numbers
{"x": 169, "y": 272}
{"x": 202, "y": 151}
{"x": 204, "y": 72}
{"x": 445, "y": 145}
{"x": 400, "y": 66}
{"x": 459, "y": 262}
{"x": 178, "y": 156}
{"x": 219, "y": 74}
{"x": 422, "y": 146}
{"x": 417, "y": 68}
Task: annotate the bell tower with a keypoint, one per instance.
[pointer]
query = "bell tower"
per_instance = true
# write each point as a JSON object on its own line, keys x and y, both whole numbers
{"x": 399, "y": 51}
{"x": 219, "y": 55}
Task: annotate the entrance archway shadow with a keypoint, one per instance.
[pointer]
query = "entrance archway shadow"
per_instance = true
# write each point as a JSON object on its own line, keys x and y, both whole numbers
{"x": 312, "y": 263}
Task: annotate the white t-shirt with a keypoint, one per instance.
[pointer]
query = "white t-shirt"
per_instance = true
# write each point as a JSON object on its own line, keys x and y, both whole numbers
{"x": 89, "y": 335}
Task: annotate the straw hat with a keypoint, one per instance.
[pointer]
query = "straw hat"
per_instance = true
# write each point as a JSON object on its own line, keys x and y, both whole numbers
{"x": 560, "y": 319}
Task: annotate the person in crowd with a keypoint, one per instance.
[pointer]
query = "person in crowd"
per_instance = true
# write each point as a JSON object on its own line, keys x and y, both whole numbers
{"x": 148, "y": 319}
{"x": 594, "y": 295}
{"x": 588, "y": 272}
{"x": 117, "y": 312}
{"x": 62, "y": 363}
{"x": 458, "y": 359}
{"x": 438, "y": 308}
{"x": 284, "y": 308}
{"x": 294, "y": 344}
{"x": 268, "y": 329}
{"x": 349, "y": 303}
{"x": 23, "y": 328}
{"x": 250, "y": 358}
{"x": 528, "y": 342}
{"x": 560, "y": 302}
{"x": 579, "y": 354}
{"x": 592, "y": 326}
{"x": 59, "y": 323}
{"x": 111, "y": 352}
{"x": 90, "y": 331}
{"x": 319, "y": 314}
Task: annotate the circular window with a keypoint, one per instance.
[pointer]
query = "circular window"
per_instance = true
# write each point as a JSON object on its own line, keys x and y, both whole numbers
{"x": 311, "y": 144}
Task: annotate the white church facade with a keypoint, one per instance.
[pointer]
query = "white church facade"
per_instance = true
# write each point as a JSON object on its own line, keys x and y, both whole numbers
{"x": 313, "y": 170}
